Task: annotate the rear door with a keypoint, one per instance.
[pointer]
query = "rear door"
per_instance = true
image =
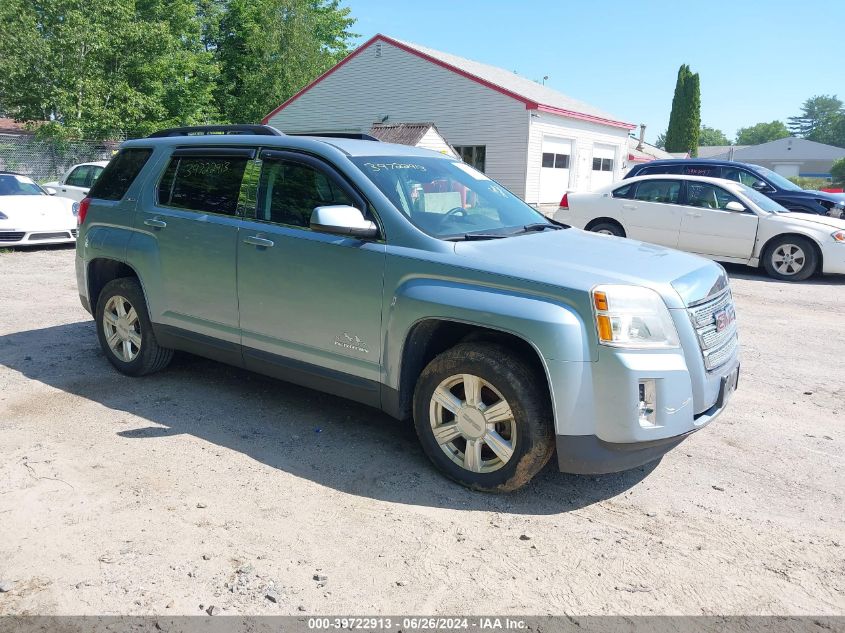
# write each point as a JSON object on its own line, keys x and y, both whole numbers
{"x": 708, "y": 228}
{"x": 653, "y": 213}
{"x": 310, "y": 302}
{"x": 78, "y": 181}
{"x": 194, "y": 222}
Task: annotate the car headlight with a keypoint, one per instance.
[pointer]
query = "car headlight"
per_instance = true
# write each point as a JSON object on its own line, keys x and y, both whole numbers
{"x": 633, "y": 317}
{"x": 3, "y": 216}
{"x": 839, "y": 236}
{"x": 75, "y": 208}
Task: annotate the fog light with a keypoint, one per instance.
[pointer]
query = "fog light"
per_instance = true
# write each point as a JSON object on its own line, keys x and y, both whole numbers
{"x": 647, "y": 407}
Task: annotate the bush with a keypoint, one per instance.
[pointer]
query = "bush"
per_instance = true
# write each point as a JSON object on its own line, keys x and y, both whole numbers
{"x": 810, "y": 183}
{"x": 837, "y": 172}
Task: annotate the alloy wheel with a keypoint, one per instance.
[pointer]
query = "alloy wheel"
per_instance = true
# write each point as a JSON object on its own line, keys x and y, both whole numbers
{"x": 122, "y": 328}
{"x": 473, "y": 423}
{"x": 788, "y": 259}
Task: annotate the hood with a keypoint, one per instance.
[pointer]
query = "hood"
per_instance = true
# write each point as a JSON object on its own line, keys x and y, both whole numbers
{"x": 576, "y": 259}
{"x": 812, "y": 218}
{"x": 33, "y": 212}
{"x": 826, "y": 195}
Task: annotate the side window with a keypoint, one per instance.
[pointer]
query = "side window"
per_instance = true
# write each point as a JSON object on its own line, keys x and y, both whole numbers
{"x": 743, "y": 176}
{"x": 624, "y": 192}
{"x": 289, "y": 191}
{"x": 664, "y": 191}
{"x": 707, "y": 196}
{"x": 79, "y": 176}
{"x": 95, "y": 172}
{"x": 474, "y": 155}
{"x": 710, "y": 171}
{"x": 203, "y": 183}
{"x": 120, "y": 173}
{"x": 659, "y": 169}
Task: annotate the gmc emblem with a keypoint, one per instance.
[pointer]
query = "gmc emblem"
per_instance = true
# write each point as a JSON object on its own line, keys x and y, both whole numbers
{"x": 724, "y": 318}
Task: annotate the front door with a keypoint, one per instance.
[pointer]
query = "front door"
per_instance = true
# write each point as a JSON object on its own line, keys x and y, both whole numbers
{"x": 310, "y": 302}
{"x": 710, "y": 229}
{"x": 194, "y": 221}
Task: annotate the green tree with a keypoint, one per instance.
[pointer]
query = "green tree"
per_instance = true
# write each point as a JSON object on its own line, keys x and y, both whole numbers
{"x": 105, "y": 68}
{"x": 709, "y": 136}
{"x": 818, "y": 115}
{"x": 837, "y": 172}
{"x": 685, "y": 117}
{"x": 660, "y": 141}
{"x": 761, "y": 133}
{"x": 269, "y": 49}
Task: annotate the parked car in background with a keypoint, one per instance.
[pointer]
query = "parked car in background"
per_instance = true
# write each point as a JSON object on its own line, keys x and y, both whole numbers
{"x": 410, "y": 281}
{"x": 767, "y": 182}
{"x": 77, "y": 181}
{"x": 29, "y": 215}
{"x": 720, "y": 219}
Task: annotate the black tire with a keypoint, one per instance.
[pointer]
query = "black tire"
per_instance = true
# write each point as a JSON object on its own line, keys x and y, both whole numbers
{"x": 523, "y": 390}
{"x": 809, "y": 261}
{"x": 150, "y": 356}
{"x": 608, "y": 228}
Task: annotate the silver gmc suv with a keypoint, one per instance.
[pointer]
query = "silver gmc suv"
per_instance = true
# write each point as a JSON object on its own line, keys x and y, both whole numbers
{"x": 411, "y": 282}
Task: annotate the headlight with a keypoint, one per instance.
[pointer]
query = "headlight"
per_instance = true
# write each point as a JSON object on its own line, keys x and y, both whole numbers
{"x": 839, "y": 236}
{"x": 75, "y": 208}
{"x": 633, "y": 317}
{"x": 3, "y": 216}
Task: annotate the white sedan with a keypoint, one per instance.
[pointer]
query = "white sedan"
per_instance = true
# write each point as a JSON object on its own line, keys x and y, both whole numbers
{"x": 720, "y": 219}
{"x": 30, "y": 216}
{"x": 77, "y": 181}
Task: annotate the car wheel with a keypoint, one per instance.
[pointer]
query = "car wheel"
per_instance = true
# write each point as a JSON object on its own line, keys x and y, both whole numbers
{"x": 790, "y": 258}
{"x": 482, "y": 417}
{"x": 607, "y": 228}
{"x": 125, "y": 331}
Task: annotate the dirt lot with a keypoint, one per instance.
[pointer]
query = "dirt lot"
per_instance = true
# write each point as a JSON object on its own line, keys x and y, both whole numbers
{"x": 208, "y": 486}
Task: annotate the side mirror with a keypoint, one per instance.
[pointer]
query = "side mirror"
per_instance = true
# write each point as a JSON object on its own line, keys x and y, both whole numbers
{"x": 759, "y": 185}
{"x": 733, "y": 205}
{"x": 50, "y": 191}
{"x": 342, "y": 220}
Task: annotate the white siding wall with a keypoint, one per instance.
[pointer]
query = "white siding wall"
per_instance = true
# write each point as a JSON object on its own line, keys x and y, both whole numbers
{"x": 409, "y": 89}
{"x": 584, "y": 136}
{"x": 433, "y": 141}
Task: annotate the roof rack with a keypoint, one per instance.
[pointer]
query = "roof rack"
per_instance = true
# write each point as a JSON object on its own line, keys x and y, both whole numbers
{"x": 358, "y": 136}
{"x": 202, "y": 130}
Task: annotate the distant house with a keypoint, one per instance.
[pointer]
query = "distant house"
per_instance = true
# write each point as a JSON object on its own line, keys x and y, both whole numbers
{"x": 424, "y": 135}
{"x": 13, "y": 128}
{"x": 641, "y": 152}
{"x": 787, "y": 156}
{"x": 534, "y": 140}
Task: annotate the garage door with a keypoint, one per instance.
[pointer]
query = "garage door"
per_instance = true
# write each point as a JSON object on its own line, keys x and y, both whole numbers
{"x": 554, "y": 172}
{"x": 603, "y": 166}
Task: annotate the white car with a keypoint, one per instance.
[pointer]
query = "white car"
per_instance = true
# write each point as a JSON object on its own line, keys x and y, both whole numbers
{"x": 29, "y": 215}
{"x": 77, "y": 181}
{"x": 720, "y": 219}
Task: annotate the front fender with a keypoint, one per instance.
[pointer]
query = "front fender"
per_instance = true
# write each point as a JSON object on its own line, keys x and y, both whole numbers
{"x": 553, "y": 328}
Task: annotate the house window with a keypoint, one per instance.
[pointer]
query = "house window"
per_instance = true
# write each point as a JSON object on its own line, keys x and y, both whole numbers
{"x": 602, "y": 164}
{"x": 474, "y": 155}
{"x": 555, "y": 161}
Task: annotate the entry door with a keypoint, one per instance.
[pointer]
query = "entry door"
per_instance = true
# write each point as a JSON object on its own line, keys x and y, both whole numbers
{"x": 604, "y": 164}
{"x": 310, "y": 302}
{"x": 708, "y": 228}
{"x": 554, "y": 170}
{"x": 195, "y": 224}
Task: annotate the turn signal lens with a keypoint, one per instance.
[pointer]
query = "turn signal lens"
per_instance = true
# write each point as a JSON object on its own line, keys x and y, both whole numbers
{"x": 600, "y": 301}
{"x": 839, "y": 236}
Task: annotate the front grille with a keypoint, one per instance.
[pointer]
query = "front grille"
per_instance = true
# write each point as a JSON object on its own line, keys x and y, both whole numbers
{"x": 11, "y": 236}
{"x": 63, "y": 235}
{"x": 74, "y": 232}
{"x": 717, "y": 346}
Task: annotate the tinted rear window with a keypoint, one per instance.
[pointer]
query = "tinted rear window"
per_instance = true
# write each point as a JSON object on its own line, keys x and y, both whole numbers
{"x": 659, "y": 169}
{"x": 203, "y": 183}
{"x": 120, "y": 173}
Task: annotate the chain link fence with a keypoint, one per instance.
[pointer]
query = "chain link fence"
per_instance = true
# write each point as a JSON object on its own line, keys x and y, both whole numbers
{"x": 46, "y": 160}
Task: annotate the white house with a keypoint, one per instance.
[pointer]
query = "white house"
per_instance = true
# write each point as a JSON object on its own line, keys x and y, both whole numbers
{"x": 534, "y": 140}
{"x": 424, "y": 135}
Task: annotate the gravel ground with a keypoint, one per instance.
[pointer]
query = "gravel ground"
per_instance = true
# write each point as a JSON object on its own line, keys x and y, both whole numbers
{"x": 207, "y": 486}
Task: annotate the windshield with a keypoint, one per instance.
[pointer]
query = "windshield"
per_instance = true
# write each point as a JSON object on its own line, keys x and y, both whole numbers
{"x": 762, "y": 201}
{"x": 778, "y": 180}
{"x": 448, "y": 199}
{"x": 15, "y": 185}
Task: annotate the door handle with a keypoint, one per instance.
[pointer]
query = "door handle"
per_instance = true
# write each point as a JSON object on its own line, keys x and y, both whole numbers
{"x": 64, "y": 190}
{"x": 629, "y": 206}
{"x": 155, "y": 222}
{"x": 693, "y": 214}
{"x": 255, "y": 240}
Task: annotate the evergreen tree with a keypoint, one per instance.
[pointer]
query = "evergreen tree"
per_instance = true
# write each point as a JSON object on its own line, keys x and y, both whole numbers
{"x": 685, "y": 118}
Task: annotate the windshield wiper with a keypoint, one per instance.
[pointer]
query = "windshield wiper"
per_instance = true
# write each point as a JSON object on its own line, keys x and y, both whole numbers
{"x": 475, "y": 236}
{"x": 542, "y": 226}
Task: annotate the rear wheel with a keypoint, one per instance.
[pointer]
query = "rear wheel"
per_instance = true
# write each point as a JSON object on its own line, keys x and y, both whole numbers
{"x": 482, "y": 418}
{"x": 125, "y": 332}
{"x": 790, "y": 258}
{"x": 608, "y": 228}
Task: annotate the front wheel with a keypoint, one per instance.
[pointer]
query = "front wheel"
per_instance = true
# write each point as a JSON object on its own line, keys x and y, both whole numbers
{"x": 790, "y": 258}
{"x": 607, "y": 228}
{"x": 482, "y": 417}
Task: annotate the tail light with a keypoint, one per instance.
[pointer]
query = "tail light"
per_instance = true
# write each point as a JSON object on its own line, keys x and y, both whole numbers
{"x": 82, "y": 211}
{"x": 564, "y": 202}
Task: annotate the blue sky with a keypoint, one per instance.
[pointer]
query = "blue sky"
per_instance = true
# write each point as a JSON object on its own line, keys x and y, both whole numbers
{"x": 758, "y": 60}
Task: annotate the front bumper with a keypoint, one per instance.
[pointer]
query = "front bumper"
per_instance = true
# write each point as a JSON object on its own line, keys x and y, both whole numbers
{"x": 833, "y": 259}
{"x": 37, "y": 237}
